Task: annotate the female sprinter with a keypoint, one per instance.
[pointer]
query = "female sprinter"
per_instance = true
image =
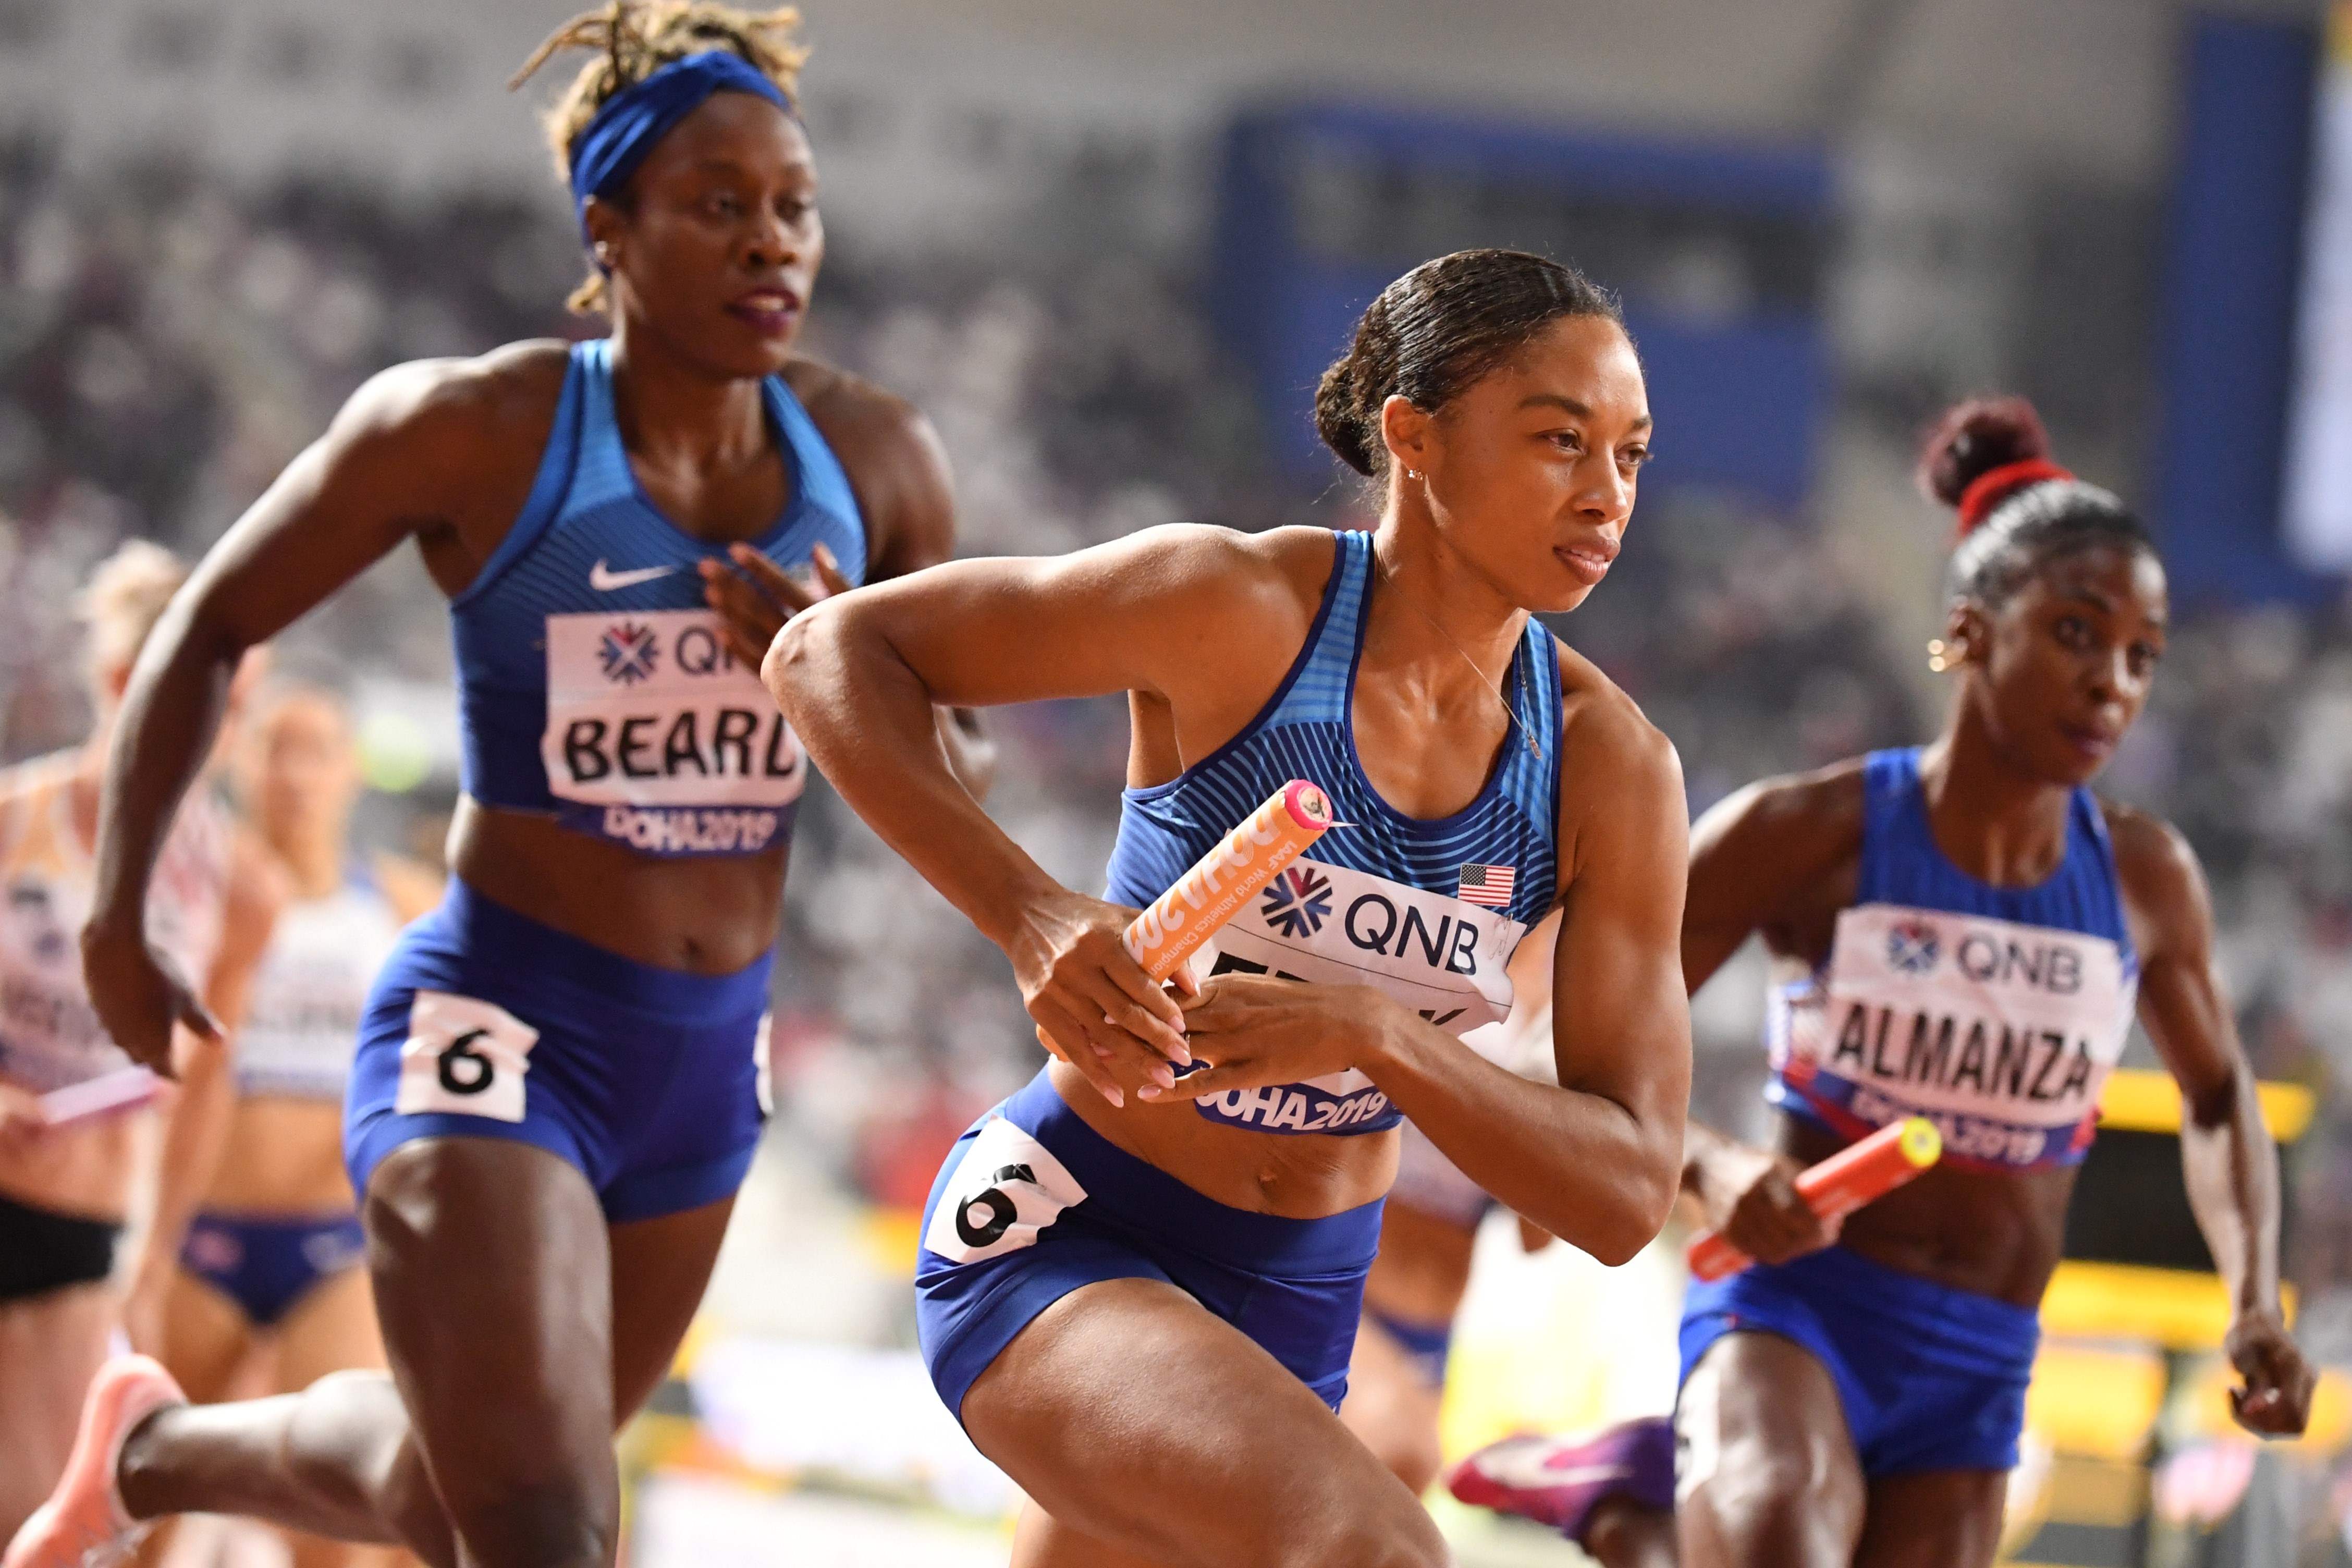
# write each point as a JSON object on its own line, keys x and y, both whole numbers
{"x": 68, "y": 1138}
{"x": 1138, "y": 1291}
{"x": 269, "y": 1275}
{"x": 555, "y": 1095}
{"x": 1965, "y": 932}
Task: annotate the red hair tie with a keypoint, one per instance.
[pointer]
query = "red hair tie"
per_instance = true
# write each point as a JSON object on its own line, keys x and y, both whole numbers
{"x": 1994, "y": 486}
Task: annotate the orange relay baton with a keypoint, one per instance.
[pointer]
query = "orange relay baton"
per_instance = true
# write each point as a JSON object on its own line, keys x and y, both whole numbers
{"x": 1860, "y": 1174}
{"x": 1204, "y": 898}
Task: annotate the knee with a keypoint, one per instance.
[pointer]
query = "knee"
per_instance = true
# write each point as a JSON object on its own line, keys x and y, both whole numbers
{"x": 1773, "y": 1503}
{"x": 553, "y": 1521}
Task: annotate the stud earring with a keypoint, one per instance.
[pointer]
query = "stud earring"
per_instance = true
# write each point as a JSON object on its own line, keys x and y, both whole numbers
{"x": 1942, "y": 655}
{"x": 1413, "y": 473}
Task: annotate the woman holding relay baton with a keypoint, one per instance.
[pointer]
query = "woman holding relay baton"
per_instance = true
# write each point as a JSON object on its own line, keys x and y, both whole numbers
{"x": 1964, "y": 934}
{"x": 1141, "y": 1274}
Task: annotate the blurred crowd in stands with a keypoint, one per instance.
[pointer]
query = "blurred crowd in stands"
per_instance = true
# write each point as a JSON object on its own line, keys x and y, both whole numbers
{"x": 167, "y": 345}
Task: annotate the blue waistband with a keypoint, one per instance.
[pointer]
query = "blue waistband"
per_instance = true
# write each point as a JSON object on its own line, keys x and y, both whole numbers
{"x": 1122, "y": 1189}
{"x": 528, "y": 956}
{"x": 1870, "y": 1299}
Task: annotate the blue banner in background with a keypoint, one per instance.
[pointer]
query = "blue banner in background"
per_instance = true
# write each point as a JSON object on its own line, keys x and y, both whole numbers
{"x": 2227, "y": 326}
{"x": 1719, "y": 254}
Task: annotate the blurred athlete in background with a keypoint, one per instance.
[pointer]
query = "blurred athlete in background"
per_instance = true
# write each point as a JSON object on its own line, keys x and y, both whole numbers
{"x": 70, "y": 1127}
{"x": 270, "y": 1293}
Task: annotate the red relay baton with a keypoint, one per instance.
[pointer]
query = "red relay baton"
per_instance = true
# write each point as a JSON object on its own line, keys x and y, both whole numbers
{"x": 1857, "y": 1174}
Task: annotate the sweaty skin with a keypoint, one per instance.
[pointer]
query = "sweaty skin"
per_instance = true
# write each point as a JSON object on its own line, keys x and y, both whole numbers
{"x": 1512, "y": 499}
{"x": 2050, "y": 681}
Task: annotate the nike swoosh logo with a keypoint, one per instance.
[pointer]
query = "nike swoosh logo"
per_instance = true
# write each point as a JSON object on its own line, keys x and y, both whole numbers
{"x": 604, "y": 580}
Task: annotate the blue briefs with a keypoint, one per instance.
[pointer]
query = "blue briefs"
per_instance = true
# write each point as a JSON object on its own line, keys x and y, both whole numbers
{"x": 1931, "y": 1378}
{"x": 1425, "y": 1345}
{"x": 485, "y": 1024}
{"x": 267, "y": 1264}
{"x": 1034, "y": 1204}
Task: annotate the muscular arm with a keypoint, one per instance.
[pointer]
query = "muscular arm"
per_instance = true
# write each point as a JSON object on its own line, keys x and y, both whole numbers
{"x": 2226, "y": 1153}
{"x": 413, "y": 448}
{"x": 1592, "y": 1161}
{"x": 1757, "y": 858}
{"x": 1198, "y": 617}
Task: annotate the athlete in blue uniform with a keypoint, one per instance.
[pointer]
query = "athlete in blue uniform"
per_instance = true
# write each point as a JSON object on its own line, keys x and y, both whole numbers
{"x": 554, "y": 1093}
{"x": 1137, "y": 1290}
{"x": 1965, "y": 932}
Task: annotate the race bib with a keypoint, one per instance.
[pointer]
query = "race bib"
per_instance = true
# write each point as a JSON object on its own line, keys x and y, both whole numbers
{"x": 1005, "y": 1189}
{"x": 658, "y": 738}
{"x": 1444, "y": 958}
{"x": 2002, "y": 1033}
{"x": 463, "y": 1056}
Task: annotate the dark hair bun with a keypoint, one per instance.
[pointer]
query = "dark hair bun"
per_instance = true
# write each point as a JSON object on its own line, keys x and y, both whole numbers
{"x": 1435, "y": 330}
{"x": 1975, "y": 438}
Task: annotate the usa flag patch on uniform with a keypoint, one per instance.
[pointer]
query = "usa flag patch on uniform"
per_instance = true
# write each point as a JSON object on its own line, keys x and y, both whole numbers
{"x": 1488, "y": 885}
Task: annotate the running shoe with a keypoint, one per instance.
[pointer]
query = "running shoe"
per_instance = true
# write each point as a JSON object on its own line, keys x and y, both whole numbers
{"x": 1557, "y": 1482}
{"x": 84, "y": 1524}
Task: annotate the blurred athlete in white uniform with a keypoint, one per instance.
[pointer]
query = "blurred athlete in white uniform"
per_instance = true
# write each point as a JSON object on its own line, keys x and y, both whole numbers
{"x": 69, "y": 1122}
{"x": 269, "y": 1294}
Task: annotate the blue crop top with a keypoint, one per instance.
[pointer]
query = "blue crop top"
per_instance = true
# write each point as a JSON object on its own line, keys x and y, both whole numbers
{"x": 1996, "y": 1012}
{"x": 1427, "y": 909}
{"x": 593, "y": 683}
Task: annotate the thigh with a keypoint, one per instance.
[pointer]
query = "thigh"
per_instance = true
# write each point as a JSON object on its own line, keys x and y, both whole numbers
{"x": 1934, "y": 1518}
{"x": 492, "y": 1286}
{"x": 50, "y": 1347}
{"x": 1155, "y": 1432}
{"x": 206, "y": 1339}
{"x": 1768, "y": 1476}
{"x": 331, "y": 1329}
{"x": 660, "y": 1267}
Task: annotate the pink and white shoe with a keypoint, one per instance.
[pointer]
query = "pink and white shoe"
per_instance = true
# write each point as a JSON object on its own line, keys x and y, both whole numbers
{"x": 1559, "y": 1483}
{"x": 84, "y": 1524}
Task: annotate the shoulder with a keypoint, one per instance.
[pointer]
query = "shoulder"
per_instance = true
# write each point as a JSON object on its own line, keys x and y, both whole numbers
{"x": 897, "y": 466}
{"x": 484, "y": 395}
{"x": 1604, "y": 736}
{"x": 1795, "y": 822}
{"x": 1234, "y": 577}
{"x": 2163, "y": 882}
{"x": 448, "y": 434}
{"x": 25, "y": 789}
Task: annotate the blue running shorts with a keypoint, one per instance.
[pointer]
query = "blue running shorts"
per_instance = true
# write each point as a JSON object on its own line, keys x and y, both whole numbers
{"x": 1032, "y": 1203}
{"x": 1931, "y": 1378}
{"x": 485, "y": 1024}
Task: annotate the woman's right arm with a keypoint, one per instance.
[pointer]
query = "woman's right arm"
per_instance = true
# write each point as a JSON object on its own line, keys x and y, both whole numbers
{"x": 1747, "y": 853}
{"x": 408, "y": 456}
{"x": 1200, "y": 620}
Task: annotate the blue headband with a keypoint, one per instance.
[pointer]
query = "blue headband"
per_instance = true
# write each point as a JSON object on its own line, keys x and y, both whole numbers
{"x": 629, "y": 122}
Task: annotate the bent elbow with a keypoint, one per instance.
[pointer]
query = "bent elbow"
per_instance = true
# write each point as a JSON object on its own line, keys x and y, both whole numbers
{"x": 1636, "y": 1217}
{"x": 783, "y": 668}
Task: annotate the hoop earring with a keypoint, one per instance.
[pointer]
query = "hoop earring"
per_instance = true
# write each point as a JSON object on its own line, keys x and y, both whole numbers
{"x": 1942, "y": 655}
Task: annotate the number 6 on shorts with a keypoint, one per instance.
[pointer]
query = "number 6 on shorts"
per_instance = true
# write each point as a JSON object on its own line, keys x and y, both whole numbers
{"x": 463, "y": 1054}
